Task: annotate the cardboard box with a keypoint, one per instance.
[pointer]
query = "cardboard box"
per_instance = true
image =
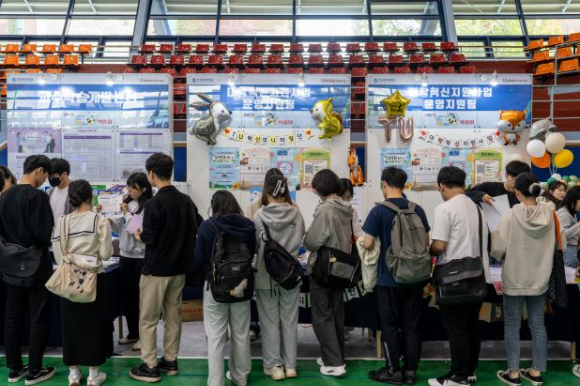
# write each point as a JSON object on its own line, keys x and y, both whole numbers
{"x": 192, "y": 310}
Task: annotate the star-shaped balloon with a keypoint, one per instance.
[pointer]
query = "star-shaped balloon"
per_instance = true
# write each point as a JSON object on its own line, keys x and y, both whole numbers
{"x": 396, "y": 105}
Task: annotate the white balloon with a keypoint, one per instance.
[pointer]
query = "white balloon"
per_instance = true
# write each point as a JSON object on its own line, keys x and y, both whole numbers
{"x": 515, "y": 157}
{"x": 536, "y": 148}
{"x": 555, "y": 142}
{"x": 556, "y": 176}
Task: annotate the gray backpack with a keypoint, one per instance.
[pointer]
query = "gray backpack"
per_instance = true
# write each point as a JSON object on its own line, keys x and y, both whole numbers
{"x": 408, "y": 257}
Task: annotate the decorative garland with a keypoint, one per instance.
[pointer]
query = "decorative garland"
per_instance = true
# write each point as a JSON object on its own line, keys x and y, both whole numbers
{"x": 454, "y": 143}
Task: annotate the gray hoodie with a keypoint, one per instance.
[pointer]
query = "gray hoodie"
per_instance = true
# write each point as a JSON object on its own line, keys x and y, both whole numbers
{"x": 286, "y": 227}
{"x": 569, "y": 227}
{"x": 525, "y": 240}
{"x": 331, "y": 227}
{"x": 128, "y": 245}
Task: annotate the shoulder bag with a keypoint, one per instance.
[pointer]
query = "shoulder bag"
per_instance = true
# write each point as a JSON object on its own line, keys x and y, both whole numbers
{"x": 557, "y": 292}
{"x": 18, "y": 264}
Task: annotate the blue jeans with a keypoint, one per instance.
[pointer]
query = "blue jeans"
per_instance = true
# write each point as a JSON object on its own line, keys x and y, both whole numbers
{"x": 513, "y": 306}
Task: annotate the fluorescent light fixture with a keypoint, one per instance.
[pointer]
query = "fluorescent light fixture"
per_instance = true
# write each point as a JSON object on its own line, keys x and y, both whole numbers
{"x": 424, "y": 80}
{"x": 41, "y": 79}
{"x": 301, "y": 81}
{"x": 232, "y": 79}
{"x": 493, "y": 80}
{"x": 112, "y": 78}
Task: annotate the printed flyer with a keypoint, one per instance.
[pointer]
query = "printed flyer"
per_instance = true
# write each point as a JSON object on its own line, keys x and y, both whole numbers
{"x": 224, "y": 168}
{"x": 426, "y": 164}
{"x": 254, "y": 163}
{"x": 399, "y": 157}
{"x": 487, "y": 166}
{"x": 313, "y": 161}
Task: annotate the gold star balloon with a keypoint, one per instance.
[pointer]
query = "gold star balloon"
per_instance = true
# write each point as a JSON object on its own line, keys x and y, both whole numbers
{"x": 396, "y": 105}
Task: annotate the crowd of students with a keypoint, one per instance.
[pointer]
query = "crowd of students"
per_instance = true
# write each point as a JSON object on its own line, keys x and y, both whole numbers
{"x": 174, "y": 242}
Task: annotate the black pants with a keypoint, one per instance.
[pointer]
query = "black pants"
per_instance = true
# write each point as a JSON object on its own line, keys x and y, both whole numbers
{"x": 37, "y": 299}
{"x": 328, "y": 322}
{"x": 130, "y": 270}
{"x": 400, "y": 311}
{"x": 461, "y": 324}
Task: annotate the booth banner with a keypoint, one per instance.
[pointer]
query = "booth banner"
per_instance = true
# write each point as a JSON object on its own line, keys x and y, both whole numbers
{"x": 281, "y": 101}
{"x": 462, "y": 101}
{"x": 477, "y": 140}
{"x": 106, "y": 125}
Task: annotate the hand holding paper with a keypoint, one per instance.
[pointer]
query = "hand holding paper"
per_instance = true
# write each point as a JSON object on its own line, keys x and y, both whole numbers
{"x": 494, "y": 211}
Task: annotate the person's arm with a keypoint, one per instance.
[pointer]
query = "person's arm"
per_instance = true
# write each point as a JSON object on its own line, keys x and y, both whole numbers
{"x": 570, "y": 228}
{"x": 259, "y": 230}
{"x": 425, "y": 222}
{"x": 58, "y": 253}
{"x": 440, "y": 232}
{"x": 500, "y": 237}
{"x": 371, "y": 229}
{"x": 151, "y": 219}
{"x": 41, "y": 220}
{"x": 479, "y": 194}
{"x": 203, "y": 244}
{"x": 105, "y": 238}
{"x": 319, "y": 231}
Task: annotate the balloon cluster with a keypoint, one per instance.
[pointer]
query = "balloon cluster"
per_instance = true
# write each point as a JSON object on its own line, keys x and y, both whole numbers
{"x": 571, "y": 181}
{"x": 546, "y": 146}
{"x": 396, "y": 108}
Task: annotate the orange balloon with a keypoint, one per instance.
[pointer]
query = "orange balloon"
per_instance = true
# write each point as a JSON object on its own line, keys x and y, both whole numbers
{"x": 542, "y": 162}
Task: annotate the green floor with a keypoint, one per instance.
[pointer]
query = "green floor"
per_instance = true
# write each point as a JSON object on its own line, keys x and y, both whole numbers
{"x": 194, "y": 372}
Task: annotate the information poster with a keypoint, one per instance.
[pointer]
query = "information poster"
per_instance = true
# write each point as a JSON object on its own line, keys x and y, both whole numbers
{"x": 287, "y": 159}
{"x": 90, "y": 154}
{"x": 462, "y": 159}
{"x": 399, "y": 157}
{"x": 224, "y": 168}
{"x": 487, "y": 166}
{"x": 426, "y": 165}
{"x": 313, "y": 161}
{"x": 254, "y": 163}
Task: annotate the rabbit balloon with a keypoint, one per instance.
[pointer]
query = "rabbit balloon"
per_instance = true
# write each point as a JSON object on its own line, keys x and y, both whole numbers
{"x": 207, "y": 128}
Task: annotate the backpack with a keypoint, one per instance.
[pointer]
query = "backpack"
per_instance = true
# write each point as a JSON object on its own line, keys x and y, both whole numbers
{"x": 283, "y": 268}
{"x": 230, "y": 263}
{"x": 408, "y": 257}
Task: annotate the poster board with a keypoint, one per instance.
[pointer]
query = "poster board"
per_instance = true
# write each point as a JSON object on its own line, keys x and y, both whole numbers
{"x": 271, "y": 126}
{"x": 106, "y": 126}
{"x": 455, "y": 116}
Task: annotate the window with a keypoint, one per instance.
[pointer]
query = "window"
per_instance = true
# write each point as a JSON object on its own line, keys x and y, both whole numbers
{"x": 492, "y": 27}
{"x": 404, "y": 8}
{"x": 406, "y": 27}
{"x": 484, "y": 7}
{"x": 184, "y": 7}
{"x": 252, "y": 7}
{"x": 117, "y": 50}
{"x": 508, "y": 49}
{"x": 552, "y": 26}
{"x": 176, "y": 27}
{"x": 332, "y": 7}
{"x": 105, "y": 7}
{"x": 472, "y": 49}
{"x": 547, "y": 7}
{"x": 38, "y": 7}
{"x": 101, "y": 27}
{"x": 326, "y": 27}
{"x": 22, "y": 26}
{"x": 255, "y": 27}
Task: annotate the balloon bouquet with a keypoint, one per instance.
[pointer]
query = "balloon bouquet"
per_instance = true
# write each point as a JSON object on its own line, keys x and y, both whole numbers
{"x": 546, "y": 147}
{"x": 396, "y": 107}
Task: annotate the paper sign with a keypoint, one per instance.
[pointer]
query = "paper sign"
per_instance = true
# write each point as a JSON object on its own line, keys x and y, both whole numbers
{"x": 135, "y": 223}
{"x": 493, "y": 213}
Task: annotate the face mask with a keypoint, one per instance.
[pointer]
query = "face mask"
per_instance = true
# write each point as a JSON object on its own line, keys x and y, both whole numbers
{"x": 54, "y": 181}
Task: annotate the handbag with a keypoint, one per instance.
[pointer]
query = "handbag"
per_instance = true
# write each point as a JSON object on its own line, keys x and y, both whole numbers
{"x": 557, "y": 292}
{"x": 75, "y": 279}
{"x": 18, "y": 264}
{"x": 334, "y": 268}
{"x": 461, "y": 281}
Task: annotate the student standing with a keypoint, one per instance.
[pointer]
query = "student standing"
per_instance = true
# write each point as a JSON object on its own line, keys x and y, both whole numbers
{"x": 400, "y": 305}
{"x": 26, "y": 220}
{"x": 10, "y": 180}
{"x": 331, "y": 227}
{"x": 84, "y": 325}
{"x": 139, "y": 192}
{"x": 59, "y": 181}
{"x": 347, "y": 194}
{"x": 455, "y": 235}
{"x": 258, "y": 202}
{"x": 169, "y": 233}
{"x": 278, "y": 307}
{"x": 485, "y": 191}
{"x": 525, "y": 239}
{"x": 226, "y": 217}
{"x": 570, "y": 227}
{"x": 554, "y": 195}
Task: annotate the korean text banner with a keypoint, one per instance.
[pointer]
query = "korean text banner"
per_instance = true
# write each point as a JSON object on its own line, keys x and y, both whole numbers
{"x": 462, "y": 101}
{"x": 105, "y": 125}
{"x": 270, "y": 101}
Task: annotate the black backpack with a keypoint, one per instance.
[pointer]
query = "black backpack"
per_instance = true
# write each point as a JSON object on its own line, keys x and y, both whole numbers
{"x": 283, "y": 268}
{"x": 230, "y": 263}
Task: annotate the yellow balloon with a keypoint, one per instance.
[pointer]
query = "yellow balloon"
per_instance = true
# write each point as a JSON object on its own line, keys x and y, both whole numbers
{"x": 563, "y": 158}
{"x": 396, "y": 105}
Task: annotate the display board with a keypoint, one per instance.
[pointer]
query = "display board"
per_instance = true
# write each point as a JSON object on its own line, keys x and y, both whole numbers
{"x": 455, "y": 123}
{"x": 106, "y": 126}
{"x": 267, "y": 122}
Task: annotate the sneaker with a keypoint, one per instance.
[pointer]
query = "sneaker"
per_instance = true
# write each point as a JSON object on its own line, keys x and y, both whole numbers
{"x": 229, "y": 378}
{"x": 447, "y": 380}
{"x": 43, "y": 375}
{"x": 576, "y": 370}
{"x": 472, "y": 379}
{"x": 75, "y": 379}
{"x": 98, "y": 380}
{"x": 276, "y": 373}
{"x": 291, "y": 373}
{"x": 165, "y": 366}
{"x": 387, "y": 375}
{"x": 410, "y": 377}
{"x": 319, "y": 362}
{"x": 136, "y": 346}
{"x": 16, "y": 375}
{"x": 504, "y": 376}
{"x": 144, "y": 373}
{"x": 126, "y": 341}
{"x": 333, "y": 371}
{"x": 536, "y": 381}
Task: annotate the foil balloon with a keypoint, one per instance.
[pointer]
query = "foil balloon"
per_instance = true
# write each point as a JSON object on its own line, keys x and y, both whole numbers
{"x": 396, "y": 108}
{"x": 540, "y": 129}
{"x": 207, "y": 128}
{"x": 356, "y": 173}
{"x": 511, "y": 124}
{"x": 329, "y": 121}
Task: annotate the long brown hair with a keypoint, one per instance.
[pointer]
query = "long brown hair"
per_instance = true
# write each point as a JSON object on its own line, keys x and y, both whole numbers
{"x": 277, "y": 187}
{"x": 553, "y": 186}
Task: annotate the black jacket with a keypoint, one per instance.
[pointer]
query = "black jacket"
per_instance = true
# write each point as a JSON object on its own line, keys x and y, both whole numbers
{"x": 169, "y": 233}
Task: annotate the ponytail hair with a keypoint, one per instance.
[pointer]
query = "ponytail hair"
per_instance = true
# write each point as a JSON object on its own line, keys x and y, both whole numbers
{"x": 277, "y": 187}
{"x": 528, "y": 185}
